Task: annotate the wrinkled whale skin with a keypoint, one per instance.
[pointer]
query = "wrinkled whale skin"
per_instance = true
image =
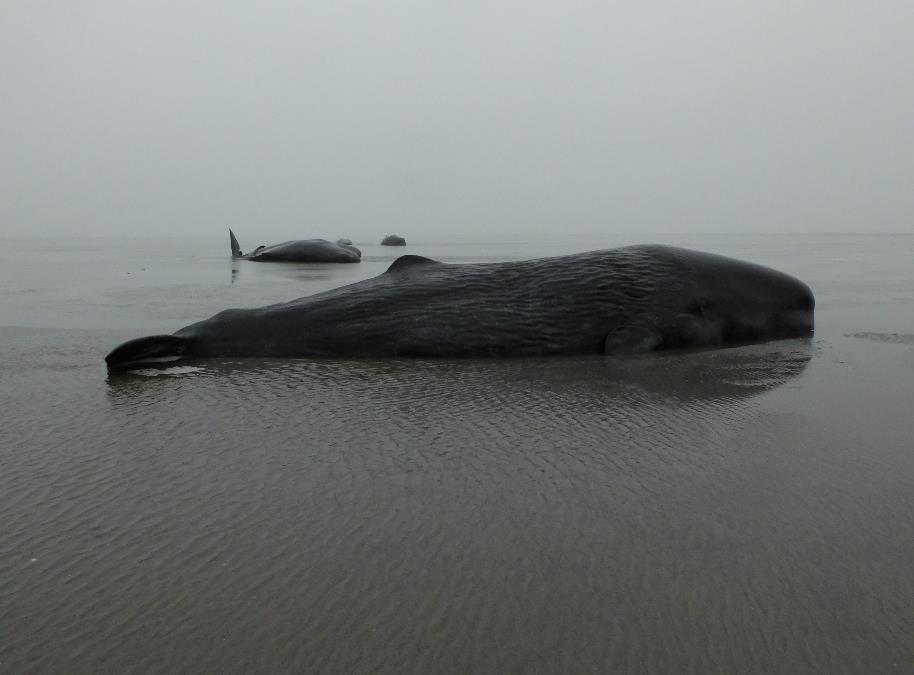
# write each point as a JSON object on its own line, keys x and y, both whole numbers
{"x": 617, "y": 301}
{"x": 299, "y": 250}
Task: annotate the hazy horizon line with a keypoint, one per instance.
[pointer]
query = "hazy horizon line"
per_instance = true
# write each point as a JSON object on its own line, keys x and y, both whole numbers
{"x": 780, "y": 233}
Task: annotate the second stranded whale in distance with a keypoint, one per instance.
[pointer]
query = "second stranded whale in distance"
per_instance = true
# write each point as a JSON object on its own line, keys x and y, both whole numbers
{"x": 617, "y": 301}
{"x": 300, "y": 250}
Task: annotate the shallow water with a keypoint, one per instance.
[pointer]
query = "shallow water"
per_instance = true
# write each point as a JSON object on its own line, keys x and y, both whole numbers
{"x": 745, "y": 510}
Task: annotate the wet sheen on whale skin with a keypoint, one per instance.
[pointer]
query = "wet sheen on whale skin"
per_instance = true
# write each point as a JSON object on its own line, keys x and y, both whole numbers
{"x": 616, "y": 301}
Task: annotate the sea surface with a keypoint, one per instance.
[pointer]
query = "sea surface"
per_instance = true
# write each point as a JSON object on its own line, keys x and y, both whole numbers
{"x": 735, "y": 510}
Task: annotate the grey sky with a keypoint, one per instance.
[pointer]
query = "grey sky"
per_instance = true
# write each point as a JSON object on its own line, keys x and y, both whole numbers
{"x": 334, "y": 118}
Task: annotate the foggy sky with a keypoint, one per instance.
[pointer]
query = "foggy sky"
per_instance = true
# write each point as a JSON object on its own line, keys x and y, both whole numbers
{"x": 335, "y": 118}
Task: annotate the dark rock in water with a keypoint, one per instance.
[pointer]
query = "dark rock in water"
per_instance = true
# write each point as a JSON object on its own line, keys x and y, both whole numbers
{"x": 617, "y": 301}
{"x": 299, "y": 250}
{"x": 393, "y": 240}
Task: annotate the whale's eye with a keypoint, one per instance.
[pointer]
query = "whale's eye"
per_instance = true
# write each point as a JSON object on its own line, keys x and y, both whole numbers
{"x": 699, "y": 306}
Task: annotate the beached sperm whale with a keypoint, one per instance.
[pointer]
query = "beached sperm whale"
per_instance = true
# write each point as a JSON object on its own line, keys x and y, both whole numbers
{"x": 617, "y": 301}
{"x": 300, "y": 250}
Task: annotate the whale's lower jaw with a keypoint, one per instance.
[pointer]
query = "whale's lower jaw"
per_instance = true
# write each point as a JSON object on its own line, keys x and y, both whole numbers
{"x": 146, "y": 350}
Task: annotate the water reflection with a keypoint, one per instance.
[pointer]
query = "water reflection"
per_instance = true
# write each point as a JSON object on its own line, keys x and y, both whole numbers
{"x": 393, "y": 503}
{"x": 299, "y": 271}
{"x": 713, "y": 375}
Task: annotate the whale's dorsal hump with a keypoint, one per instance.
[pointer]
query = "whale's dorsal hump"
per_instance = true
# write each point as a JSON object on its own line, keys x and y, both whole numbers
{"x": 408, "y": 262}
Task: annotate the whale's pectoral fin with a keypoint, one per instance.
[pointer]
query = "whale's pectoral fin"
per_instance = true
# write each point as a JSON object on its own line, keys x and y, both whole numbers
{"x": 155, "y": 348}
{"x": 691, "y": 330}
{"x": 409, "y": 262}
{"x": 631, "y": 338}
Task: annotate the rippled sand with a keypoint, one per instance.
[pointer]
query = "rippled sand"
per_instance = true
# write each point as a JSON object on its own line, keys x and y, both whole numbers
{"x": 739, "y": 510}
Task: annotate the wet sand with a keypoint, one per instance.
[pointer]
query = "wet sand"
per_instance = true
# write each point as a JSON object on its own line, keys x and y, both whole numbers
{"x": 738, "y": 510}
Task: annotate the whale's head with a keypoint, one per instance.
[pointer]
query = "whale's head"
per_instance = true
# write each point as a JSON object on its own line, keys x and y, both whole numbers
{"x": 147, "y": 350}
{"x": 748, "y": 302}
{"x": 706, "y": 300}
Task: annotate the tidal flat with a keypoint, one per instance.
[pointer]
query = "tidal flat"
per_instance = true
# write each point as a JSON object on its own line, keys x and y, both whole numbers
{"x": 739, "y": 510}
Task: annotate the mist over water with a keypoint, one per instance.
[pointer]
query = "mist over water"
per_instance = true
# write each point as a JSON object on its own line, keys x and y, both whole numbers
{"x": 518, "y": 118}
{"x": 744, "y": 509}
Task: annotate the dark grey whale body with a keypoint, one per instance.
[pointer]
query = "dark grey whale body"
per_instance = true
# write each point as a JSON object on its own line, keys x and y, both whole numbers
{"x": 299, "y": 250}
{"x": 618, "y": 301}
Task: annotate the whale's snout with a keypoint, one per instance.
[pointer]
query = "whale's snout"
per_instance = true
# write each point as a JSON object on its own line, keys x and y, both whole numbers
{"x": 797, "y": 318}
{"x": 152, "y": 349}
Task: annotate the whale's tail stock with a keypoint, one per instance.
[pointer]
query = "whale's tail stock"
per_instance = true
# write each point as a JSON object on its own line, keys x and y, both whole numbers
{"x": 236, "y": 249}
{"x": 152, "y": 349}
